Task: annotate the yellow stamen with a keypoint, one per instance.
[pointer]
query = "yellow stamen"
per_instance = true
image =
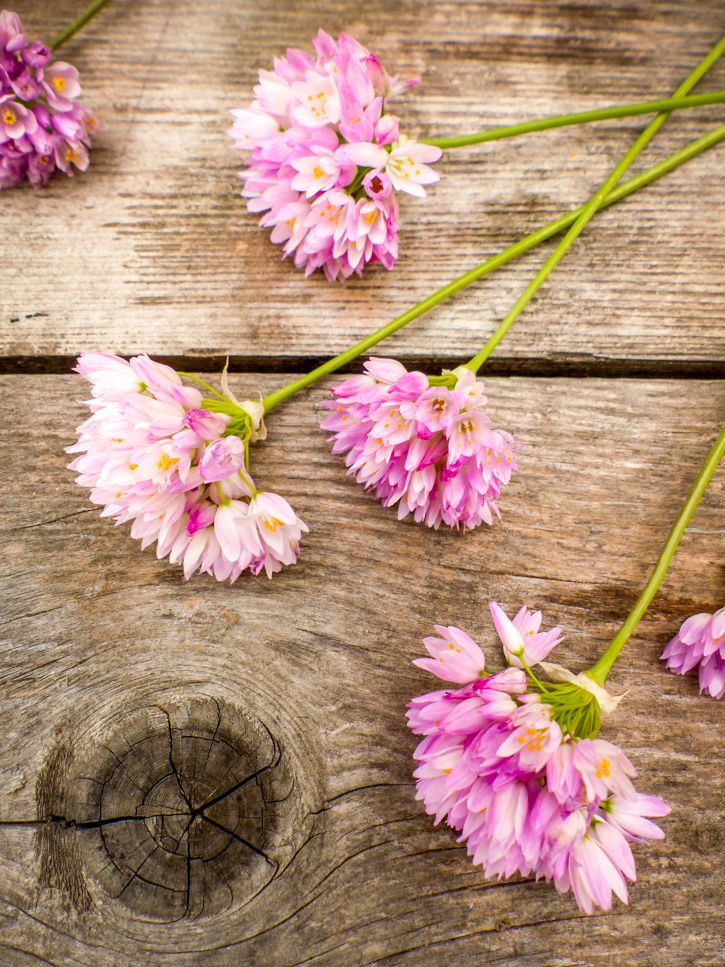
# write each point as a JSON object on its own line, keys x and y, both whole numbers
{"x": 59, "y": 83}
{"x": 604, "y": 769}
{"x": 165, "y": 461}
{"x": 9, "y": 117}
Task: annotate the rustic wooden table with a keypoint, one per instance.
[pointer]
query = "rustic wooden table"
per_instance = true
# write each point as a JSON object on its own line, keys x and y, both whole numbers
{"x": 281, "y": 703}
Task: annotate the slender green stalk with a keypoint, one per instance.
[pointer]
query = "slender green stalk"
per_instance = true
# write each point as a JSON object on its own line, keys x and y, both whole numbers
{"x": 602, "y": 668}
{"x": 80, "y": 21}
{"x": 491, "y": 264}
{"x": 201, "y": 382}
{"x": 589, "y": 210}
{"x": 581, "y": 117}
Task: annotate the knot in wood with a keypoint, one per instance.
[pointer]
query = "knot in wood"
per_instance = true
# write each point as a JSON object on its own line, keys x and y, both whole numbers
{"x": 180, "y": 811}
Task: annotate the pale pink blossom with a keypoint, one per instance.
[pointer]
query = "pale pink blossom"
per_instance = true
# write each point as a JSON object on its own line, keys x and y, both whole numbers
{"x": 153, "y": 456}
{"x": 700, "y": 644}
{"x": 521, "y": 637}
{"x": 524, "y": 795}
{"x": 314, "y": 129}
{"x": 406, "y": 162}
{"x": 455, "y": 656}
{"x": 429, "y": 450}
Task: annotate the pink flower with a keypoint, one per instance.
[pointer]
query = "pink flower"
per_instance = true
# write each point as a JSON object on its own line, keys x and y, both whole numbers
{"x": 152, "y": 455}
{"x": 221, "y": 459}
{"x": 429, "y": 449}
{"x": 603, "y": 767}
{"x": 314, "y": 129}
{"x": 455, "y": 656}
{"x": 521, "y": 637}
{"x": 700, "y": 643}
{"x": 43, "y": 126}
{"x": 525, "y": 794}
{"x": 534, "y": 739}
{"x": 406, "y": 163}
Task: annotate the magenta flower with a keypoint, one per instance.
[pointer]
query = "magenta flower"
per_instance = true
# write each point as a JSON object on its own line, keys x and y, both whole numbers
{"x": 43, "y": 126}
{"x": 326, "y": 157}
{"x": 153, "y": 454}
{"x": 429, "y": 449}
{"x": 700, "y": 643}
{"x": 502, "y": 762}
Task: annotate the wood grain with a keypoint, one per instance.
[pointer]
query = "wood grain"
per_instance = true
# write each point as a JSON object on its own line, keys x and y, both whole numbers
{"x": 152, "y": 250}
{"x": 98, "y": 639}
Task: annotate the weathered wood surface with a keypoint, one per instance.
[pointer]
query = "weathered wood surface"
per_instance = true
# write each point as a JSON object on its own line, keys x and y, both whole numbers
{"x": 153, "y": 250}
{"x": 134, "y": 706}
{"x": 308, "y": 677}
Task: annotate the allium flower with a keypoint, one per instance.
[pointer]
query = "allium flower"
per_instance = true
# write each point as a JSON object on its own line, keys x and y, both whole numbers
{"x": 43, "y": 126}
{"x": 153, "y": 454}
{"x": 700, "y": 643}
{"x": 430, "y": 449}
{"x": 521, "y": 637}
{"x": 326, "y": 157}
{"x": 527, "y": 793}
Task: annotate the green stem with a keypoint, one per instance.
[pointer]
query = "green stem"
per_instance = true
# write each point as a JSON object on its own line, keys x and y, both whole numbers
{"x": 80, "y": 21}
{"x": 247, "y": 480}
{"x": 602, "y": 668}
{"x": 491, "y": 264}
{"x": 581, "y": 117}
{"x": 201, "y": 382}
{"x": 589, "y": 210}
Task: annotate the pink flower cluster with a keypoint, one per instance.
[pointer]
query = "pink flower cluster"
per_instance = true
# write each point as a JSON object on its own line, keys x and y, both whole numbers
{"x": 151, "y": 454}
{"x": 700, "y": 643}
{"x": 525, "y": 797}
{"x": 429, "y": 449}
{"x": 43, "y": 127}
{"x": 325, "y": 158}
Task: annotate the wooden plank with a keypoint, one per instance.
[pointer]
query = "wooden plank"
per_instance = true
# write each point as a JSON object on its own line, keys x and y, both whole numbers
{"x": 153, "y": 250}
{"x": 307, "y": 677}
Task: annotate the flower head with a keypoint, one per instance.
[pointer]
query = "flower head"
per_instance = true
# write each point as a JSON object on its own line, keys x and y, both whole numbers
{"x": 527, "y": 793}
{"x": 326, "y": 157}
{"x": 429, "y": 449}
{"x": 700, "y": 643}
{"x": 156, "y": 454}
{"x": 43, "y": 125}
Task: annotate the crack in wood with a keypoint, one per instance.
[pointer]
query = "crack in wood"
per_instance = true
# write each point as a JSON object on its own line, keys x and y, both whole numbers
{"x": 172, "y": 813}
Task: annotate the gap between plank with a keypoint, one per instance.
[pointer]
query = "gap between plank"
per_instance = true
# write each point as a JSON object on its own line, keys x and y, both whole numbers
{"x": 576, "y": 366}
